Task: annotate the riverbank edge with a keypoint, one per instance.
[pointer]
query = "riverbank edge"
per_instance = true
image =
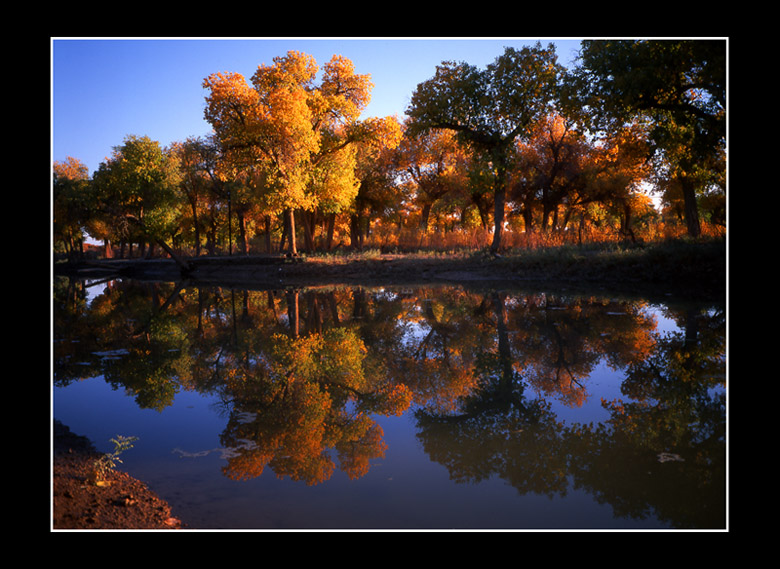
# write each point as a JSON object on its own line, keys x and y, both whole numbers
{"x": 680, "y": 267}
{"x": 79, "y": 504}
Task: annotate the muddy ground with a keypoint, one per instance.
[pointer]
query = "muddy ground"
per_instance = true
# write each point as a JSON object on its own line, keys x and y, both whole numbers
{"x": 79, "y": 503}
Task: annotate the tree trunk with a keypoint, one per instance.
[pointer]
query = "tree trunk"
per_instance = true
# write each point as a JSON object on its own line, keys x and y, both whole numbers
{"x": 528, "y": 216}
{"x": 355, "y": 235}
{"x": 691, "y": 208}
{"x": 179, "y": 261}
{"x": 331, "y": 226}
{"x": 425, "y": 216}
{"x": 626, "y": 222}
{"x": 243, "y": 246}
{"x": 499, "y": 219}
{"x": 499, "y": 160}
{"x": 307, "y": 220}
{"x": 291, "y": 225}
{"x": 196, "y": 226}
{"x": 268, "y": 245}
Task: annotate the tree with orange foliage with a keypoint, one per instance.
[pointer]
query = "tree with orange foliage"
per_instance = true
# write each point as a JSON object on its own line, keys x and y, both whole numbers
{"x": 620, "y": 165}
{"x": 298, "y": 136}
{"x": 551, "y": 168}
{"x": 433, "y": 162}
{"x": 558, "y": 167}
{"x": 268, "y": 127}
{"x": 312, "y": 396}
{"x": 376, "y": 172}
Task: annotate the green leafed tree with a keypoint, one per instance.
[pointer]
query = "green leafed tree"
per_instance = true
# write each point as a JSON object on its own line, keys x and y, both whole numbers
{"x": 489, "y": 108}
{"x": 70, "y": 204}
{"x": 137, "y": 187}
{"x": 679, "y": 86}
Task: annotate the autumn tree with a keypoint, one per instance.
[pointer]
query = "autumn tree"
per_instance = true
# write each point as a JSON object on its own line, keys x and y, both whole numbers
{"x": 375, "y": 170}
{"x": 489, "y": 109}
{"x": 619, "y": 167}
{"x": 70, "y": 204}
{"x": 270, "y": 129}
{"x": 680, "y": 86}
{"x": 433, "y": 162}
{"x": 550, "y": 168}
{"x": 297, "y": 135}
{"x": 196, "y": 161}
{"x": 137, "y": 187}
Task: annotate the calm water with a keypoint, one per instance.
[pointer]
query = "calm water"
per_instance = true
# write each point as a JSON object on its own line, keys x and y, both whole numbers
{"x": 401, "y": 408}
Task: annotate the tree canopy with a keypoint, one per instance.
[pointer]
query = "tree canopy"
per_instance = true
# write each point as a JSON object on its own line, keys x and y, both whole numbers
{"x": 520, "y": 146}
{"x": 489, "y": 108}
{"x": 678, "y": 86}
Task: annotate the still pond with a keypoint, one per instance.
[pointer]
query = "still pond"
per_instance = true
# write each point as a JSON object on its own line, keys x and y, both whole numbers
{"x": 401, "y": 408}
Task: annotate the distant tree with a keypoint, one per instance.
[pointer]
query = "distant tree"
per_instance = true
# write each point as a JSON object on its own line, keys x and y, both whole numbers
{"x": 376, "y": 169}
{"x": 489, "y": 109}
{"x": 197, "y": 161}
{"x": 71, "y": 197}
{"x": 550, "y": 169}
{"x": 433, "y": 162}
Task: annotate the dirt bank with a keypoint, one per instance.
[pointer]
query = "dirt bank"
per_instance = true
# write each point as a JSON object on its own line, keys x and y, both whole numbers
{"x": 677, "y": 267}
{"x": 80, "y": 504}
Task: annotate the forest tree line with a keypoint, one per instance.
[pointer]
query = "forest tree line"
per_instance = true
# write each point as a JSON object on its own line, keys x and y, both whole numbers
{"x": 521, "y": 146}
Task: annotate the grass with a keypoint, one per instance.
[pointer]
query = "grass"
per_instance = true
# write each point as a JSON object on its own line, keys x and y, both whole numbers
{"x": 686, "y": 261}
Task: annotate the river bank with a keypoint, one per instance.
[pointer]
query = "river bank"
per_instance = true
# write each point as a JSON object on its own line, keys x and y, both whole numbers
{"x": 80, "y": 504}
{"x": 677, "y": 267}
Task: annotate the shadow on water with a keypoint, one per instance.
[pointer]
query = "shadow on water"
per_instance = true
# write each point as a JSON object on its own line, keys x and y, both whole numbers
{"x": 541, "y": 394}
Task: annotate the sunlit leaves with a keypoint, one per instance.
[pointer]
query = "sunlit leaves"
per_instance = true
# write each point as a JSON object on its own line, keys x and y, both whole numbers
{"x": 137, "y": 188}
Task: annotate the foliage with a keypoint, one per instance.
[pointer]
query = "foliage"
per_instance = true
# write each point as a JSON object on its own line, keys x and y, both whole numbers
{"x": 137, "y": 189}
{"x": 678, "y": 86}
{"x": 70, "y": 203}
{"x": 489, "y": 109}
{"x": 107, "y": 462}
{"x": 518, "y": 154}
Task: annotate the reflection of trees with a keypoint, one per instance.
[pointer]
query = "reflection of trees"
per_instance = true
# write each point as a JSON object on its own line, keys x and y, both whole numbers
{"x": 562, "y": 340}
{"x": 310, "y": 395}
{"x": 128, "y": 336}
{"x": 496, "y": 430}
{"x": 661, "y": 454}
{"x": 663, "y": 451}
{"x": 302, "y": 372}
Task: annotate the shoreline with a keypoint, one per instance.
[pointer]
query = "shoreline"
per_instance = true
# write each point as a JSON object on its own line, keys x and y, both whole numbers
{"x": 684, "y": 268}
{"x": 124, "y": 503}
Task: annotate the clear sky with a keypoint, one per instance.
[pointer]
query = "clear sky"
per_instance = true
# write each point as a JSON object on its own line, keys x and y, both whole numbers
{"x": 104, "y": 89}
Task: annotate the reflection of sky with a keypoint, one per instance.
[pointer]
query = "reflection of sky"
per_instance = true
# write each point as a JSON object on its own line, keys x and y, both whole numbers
{"x": 93, "y": 290}
{"x": 602, "y": 383}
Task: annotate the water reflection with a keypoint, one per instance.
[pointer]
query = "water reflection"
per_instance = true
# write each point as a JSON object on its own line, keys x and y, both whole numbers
{"x": 304, "y": 376}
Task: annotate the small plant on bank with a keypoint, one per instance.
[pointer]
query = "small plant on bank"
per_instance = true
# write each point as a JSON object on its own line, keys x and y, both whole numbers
{"x": 107, "y": 462}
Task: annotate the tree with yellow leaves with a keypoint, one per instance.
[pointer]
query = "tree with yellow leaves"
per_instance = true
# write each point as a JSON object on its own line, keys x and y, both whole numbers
{"x": 296, "y": 135}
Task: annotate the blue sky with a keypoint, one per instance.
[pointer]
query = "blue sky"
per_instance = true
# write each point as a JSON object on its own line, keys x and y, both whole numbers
{"x": 106, "y": 89}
